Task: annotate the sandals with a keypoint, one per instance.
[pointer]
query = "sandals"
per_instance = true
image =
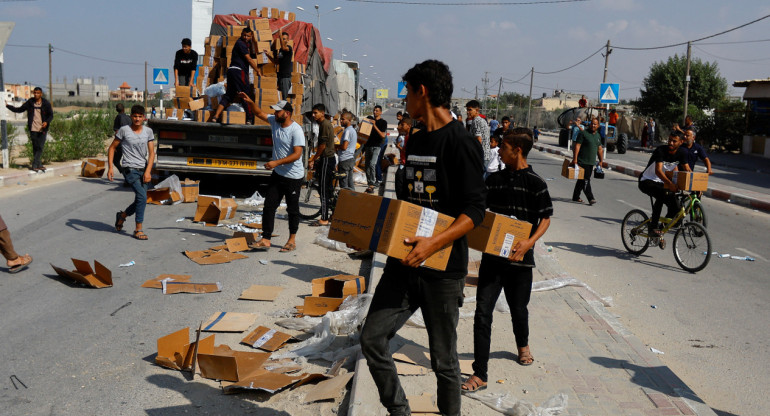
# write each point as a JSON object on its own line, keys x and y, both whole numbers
{"x": 579, "y": 201}
{"x": 317, "y": 223}
{"x": 119, "y": 220}
{"x": 525, "y": 357}
{"x": 140, "y": 235}
{"x": 26, "y": 260}
{"x": 260, "y": 246}
{"x": 472, "y": 384}
{"x": 288, "y": 247}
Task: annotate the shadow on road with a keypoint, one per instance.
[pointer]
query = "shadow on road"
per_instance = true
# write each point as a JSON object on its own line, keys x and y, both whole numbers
{"x": 605, "y": 220}
{"x": 80, "y": 225}
{"x": 592, "y": 250}
{"x": 305, "y": 272}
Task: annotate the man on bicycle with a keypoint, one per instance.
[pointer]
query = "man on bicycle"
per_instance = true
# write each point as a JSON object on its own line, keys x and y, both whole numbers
{"x": 655, "y": 183}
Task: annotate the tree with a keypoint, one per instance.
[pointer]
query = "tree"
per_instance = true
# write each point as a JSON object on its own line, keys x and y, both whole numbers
{"x": 662, "y": 95}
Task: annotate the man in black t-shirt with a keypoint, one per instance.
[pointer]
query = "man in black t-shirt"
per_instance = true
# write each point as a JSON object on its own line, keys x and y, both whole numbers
{"x": 655, "y": 183}
{"x": 442, "y": 174}
{"x": 185, "y": 62}
{"x": 373, "y": 147}
{"x": 122, "y": 119}
{"x": 238, "y": 72}
{"x": 282, "y": 57}
{"x": 324, "y": 162}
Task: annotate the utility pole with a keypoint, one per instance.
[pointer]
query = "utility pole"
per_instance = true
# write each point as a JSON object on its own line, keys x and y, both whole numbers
{"x": 687, "y": 81}
{"x": 607, "y": 53}
{"x": 485, "y": 80}
{"x": 499, "y": 89}
{"x": 145, "y": 84}
{"x": 531, "y": 81}
{"x": 50, "y": 72}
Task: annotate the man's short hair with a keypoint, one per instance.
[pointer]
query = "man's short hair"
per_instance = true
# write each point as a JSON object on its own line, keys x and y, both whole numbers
{"x": 506, "y": 118}
{"x": 246, "y": 30}
{"x": 676, "y": 133}
{"x": 284, "y": 33}
{"x": 37, "y": 89}
{"x": 119, "y": 107}
{"x": 186, "y": 42}
{"x": 347, "y": 115}
{"x": 406, "y": 120}
{"x": 378, "y": 106}
{"x": 472, "y": 104}
{"x": 435, "y": 77}
{"x": 692, "y": 130}
{"x": 520, "y": 137}
{"x": 399, "y": 114}
{"x": 319, "y": 107}
{"x": 137, "y": 109}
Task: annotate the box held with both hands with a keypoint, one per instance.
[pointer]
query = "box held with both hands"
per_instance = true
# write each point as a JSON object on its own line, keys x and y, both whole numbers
{"x": 689, "y": 181}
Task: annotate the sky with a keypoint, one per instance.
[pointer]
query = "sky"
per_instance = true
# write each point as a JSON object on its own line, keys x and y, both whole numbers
{"x": 494, "y": 42}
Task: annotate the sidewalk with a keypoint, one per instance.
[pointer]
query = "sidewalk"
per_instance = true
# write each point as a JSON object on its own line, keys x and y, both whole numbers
{"x": 580, "y": 350}
{"x": 10, "y": 177}
{"x": 731, "y": 194}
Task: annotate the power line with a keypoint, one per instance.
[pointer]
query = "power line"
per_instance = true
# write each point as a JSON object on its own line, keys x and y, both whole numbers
{"x": 735, "y": 42}
{"x": 730, "y": 59}
{"x": 492, "y": 3}
{"x": 695, "y": 40}
{"x": 26, "y": 46}
{"x": 78, "y": 54}
{"x": 571, "y": 66}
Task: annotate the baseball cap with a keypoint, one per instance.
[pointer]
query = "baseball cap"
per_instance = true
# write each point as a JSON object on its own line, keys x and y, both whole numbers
{"x": 283, "y": 105}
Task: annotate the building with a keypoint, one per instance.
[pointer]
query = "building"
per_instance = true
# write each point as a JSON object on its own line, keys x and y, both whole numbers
{"x": 18, "y": 92}
{"x": 125, "y": 93}
{"x": 756, "y": 140}
{"x": 81, "y": 90}
{"x": 558, "y": 100}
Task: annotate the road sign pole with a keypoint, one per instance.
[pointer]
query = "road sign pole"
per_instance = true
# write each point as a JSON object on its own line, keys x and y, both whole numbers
{"x": 161, "y": 100}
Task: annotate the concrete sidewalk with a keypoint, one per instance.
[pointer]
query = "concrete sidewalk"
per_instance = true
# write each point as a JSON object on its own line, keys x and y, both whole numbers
{"x": 580, "y": 350}
{"x": 731, "y": 194}
{"x": 22, "y": 176}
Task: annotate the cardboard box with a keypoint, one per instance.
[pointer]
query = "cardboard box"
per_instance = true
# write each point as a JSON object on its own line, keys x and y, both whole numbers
{"x": 296, "y": 78}
{"x": 690, "y": 181}
{"x": 234, "y": 30}
{"x": 263, "y": 36}
{"x": 186, "y": 91}
{"x": 85, "y": 275}
{"x": 381, "y": 225}
{"x": 365, "y": 129}
{"x": 269, "y": 70}
{"x": 212, "y": 209}
{"x": 290, "y": 16}
{"x": 190, "y": 189}
{"x": 93, "y": 168}
{"x": 329, "y": 292}
{"x": 497, "y": 234}
{"x": 266, "y": 339}
{"x": 258, "y": 24}
{"x": 571, "y": 172}
{"x": 296, "y": 89}
{"x": 175, "y": 351}
{"x": 170, "y": 288}
{"x": 225, "y": 364}
{"x": 162, "y": 196}
{"x": 233, "y": 117}
{"x": 182, "y": 102}
{"x": 202, "y": 116}
{"x": 265, "y": 97}
{"x": 174, "y": 114}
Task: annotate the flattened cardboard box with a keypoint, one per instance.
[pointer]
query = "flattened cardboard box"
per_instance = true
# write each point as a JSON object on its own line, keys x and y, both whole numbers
{"x": 266, "y": 339}
{"x": 175, "y": 351}
{"x": 84, "y": 274}
{"x": 157, "y": 283}
{"x": 571, "y": 172}
{"x": 262, "y": 293}
{"x": 381, "y": 224}
{"x": 213, "y": 256}
{"x": 170, "y": 288}
{"x": 229, "y": 322}
{"x": 212, "y": 209}
{"x": 329, "y": 389}
{"x": 690, "y": 181}
{"x": 498, "y": 234}
{"x": 92, "y": 168}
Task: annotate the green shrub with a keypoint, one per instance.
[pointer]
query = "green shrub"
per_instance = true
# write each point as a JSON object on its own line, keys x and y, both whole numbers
{"x": 76, "y": 135}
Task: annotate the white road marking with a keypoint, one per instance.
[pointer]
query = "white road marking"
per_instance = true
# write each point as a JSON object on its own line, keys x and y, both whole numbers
{"x": 630, "y": 205}
{"x": 752, "y": 254}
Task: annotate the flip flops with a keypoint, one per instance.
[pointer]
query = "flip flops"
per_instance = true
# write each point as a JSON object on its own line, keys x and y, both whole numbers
{"x": 259, "y": 246}
{"x": 26, "y": 261}
{"x": 140, "y": 235}
{"x": 288, "y": 247}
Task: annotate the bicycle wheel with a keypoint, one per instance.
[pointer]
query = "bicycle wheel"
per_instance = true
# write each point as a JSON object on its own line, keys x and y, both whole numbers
{"x": 632, "y": 230}
{"x": 698, "y": 214}
{"x": 692, "y": 247}
{"x": 309, "y": 202}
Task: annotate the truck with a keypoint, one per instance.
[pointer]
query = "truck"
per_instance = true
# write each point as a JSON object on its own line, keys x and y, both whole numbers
{"x": 613, "y": 139}
{"x": 241, "y": 149}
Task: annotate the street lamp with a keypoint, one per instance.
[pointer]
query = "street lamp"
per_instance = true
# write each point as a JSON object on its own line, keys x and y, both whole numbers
{"x": 318, "y": 14}
{"x": 342, "y": 44}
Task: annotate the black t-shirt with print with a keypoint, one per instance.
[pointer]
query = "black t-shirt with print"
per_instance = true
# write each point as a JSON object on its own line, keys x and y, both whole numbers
{"x": 185, "y": 63}
{"x": 284, "y": 62}
{"x": 443, "y": 172}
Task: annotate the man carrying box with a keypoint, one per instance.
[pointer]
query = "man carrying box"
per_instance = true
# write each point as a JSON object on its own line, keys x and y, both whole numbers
{"x": 655, "y": 183}
{"x": 520, "y": 192}
{"x": 441, "y": 173}
{"x": 238, "y": 72}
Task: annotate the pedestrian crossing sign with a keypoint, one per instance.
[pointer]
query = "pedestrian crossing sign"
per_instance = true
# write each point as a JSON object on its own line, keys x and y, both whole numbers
{"x": 402, "y": 89}
{"x": 609, "y": 93}
{"x": 160, "y": 76}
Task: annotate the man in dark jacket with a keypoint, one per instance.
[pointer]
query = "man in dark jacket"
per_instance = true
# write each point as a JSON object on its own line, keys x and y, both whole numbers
{"x": 39, "y": 117}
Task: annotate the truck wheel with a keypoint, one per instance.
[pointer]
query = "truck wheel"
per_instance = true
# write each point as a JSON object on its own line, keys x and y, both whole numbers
{"x": 610, "y": 147}
{"x": 622, "y": 143}
{"x": 563, "y": 137}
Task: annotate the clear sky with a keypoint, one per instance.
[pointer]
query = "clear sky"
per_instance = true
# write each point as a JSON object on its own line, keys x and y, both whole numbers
{"x": 503, "y": 41}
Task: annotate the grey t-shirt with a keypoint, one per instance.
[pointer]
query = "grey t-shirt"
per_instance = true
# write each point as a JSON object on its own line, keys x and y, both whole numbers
{"x": 134, "y": 146}
{"x": 284, "y": 141}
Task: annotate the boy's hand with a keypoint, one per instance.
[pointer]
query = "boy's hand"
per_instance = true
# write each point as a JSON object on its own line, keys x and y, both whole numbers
{"x": 245, "y": 97}
{"x": 110, "y": 174}
{"x": 520, "y": 249}
{"x": 424, "y": 247}
{"x": 147, "y": 177}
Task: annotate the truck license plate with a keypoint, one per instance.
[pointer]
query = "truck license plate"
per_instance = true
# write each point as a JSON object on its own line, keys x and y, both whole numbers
{"x": 221, "y": 163}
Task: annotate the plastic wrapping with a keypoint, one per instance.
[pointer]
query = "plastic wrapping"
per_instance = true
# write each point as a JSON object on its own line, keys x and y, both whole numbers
{"x": 172, "y": 182}
{"x": 254, "y": 200}
{"x": 359, "y": 177}
{"x": 416, "y": 320}
{"x": 507, "y": 404}
{"x": 215, "y": 90}
{"x": 322, "y": 239}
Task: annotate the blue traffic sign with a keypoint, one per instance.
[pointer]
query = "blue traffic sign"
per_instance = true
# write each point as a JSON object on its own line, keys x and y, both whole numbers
{"x": 609, "y": 93}
{"x": 160, "y": 76}
{"x": 401, "y": 89}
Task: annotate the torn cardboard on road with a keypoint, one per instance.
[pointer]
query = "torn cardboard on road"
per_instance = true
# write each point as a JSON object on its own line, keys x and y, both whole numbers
{"x": 266, "y": 339}
{"x": 170, "y": 288}
{"x": 423, "y": 404}
{"x": 156, "y": 283}
{"x": 211, "y": 256}
{"x": 223, "y": 363}
{"x": 235, "y": 245}
{"x": 330, "y": 291}
{"x": 85, "y": 275}
{"x": 420, "y": 356}
{"x": 229, "y": 322}
{"x": 262, "y": 293}
{"x": 328, "y": 389}
{"x": 175, "y": 351}
{"x": 251, "y": 238}
{"x": 92, "y": 168}
{"x": 212, "y": 209}
{"x": 264, "y": 380}
{"x": 162, "y": 196}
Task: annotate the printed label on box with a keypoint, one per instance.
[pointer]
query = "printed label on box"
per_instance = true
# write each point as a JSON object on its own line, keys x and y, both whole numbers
{"x": 428, "y": 218}
{"x": 263, "y": 339}
{"x": 507, "y": 245}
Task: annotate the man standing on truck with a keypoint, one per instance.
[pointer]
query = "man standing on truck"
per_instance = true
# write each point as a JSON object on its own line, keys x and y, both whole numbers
{"x": 185, "y": 62}
{"x": 238, "y": 72}
{"x": 288, "y": 171}
{"x": 324, "y": 155}
{"x": 282, "y": 57}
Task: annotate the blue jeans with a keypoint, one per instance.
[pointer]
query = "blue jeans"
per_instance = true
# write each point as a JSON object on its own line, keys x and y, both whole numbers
{"x": 134, "y": 178}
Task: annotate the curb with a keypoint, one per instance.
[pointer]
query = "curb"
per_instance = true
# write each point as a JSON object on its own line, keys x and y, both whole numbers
{"x": 34, "y": 176}
{"x": 729, "y": 194}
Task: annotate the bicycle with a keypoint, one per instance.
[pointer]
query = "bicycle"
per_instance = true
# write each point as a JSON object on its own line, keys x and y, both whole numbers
{"x": 310, "y": 196}
{"x": 693, "y": 207}
{"x": 692, "y": 245}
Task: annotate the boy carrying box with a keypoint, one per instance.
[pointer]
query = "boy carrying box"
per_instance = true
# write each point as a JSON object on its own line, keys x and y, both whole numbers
{"x": 519, "y": 191}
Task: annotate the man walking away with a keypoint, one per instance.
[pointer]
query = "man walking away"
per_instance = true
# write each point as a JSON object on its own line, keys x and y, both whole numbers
{"x": 372, "y": 147}
{"x": 39, "y": 117}
{"x": 288, "y": 171}
{"x": 327, "y": 162}
{"x": 185, "y": 63}
{"x": 442, "y": 158}
{"x": 346, "y": 151}
{"x": 479, "y": 128}
{"x": 587, "y": 146}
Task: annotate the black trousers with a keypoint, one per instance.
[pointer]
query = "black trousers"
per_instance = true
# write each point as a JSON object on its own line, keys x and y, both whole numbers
{"x": 325, "y": 169}
{"x": 661, "y": 196}
{"x": 38, "y": 144}
{"x": 278, "y": 188}
{"x": 400, "y": 292}
{"x": 584, "y": 185}
{"x": 494, "y": 277}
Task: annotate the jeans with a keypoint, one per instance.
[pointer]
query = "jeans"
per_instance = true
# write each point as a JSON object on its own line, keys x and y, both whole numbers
{"x": 494, "y": 278}
{"x": 401, "y": 291}
{"x": 325, "y": 169}
{"x": 278, "y": 188}
{"x": 372, "y": 155}
{"x": 346, "y": 167}
{"x": 38, "y": 143}
{"x": 379, "y": 162}
{"x": 584, "y": 185}
{"x": 662, "y": 196}
{"x": 134, "y": 178}
{"x": 284, "y": 84}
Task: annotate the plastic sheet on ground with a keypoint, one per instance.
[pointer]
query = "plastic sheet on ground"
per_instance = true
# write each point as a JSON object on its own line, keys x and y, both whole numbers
{"x": 507, "y": 404}
{"x": 416, "y": 320}
{"x": 254, "y": 200}
{"x": 172, "y": 182}
{"x": 322, "y": 239}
